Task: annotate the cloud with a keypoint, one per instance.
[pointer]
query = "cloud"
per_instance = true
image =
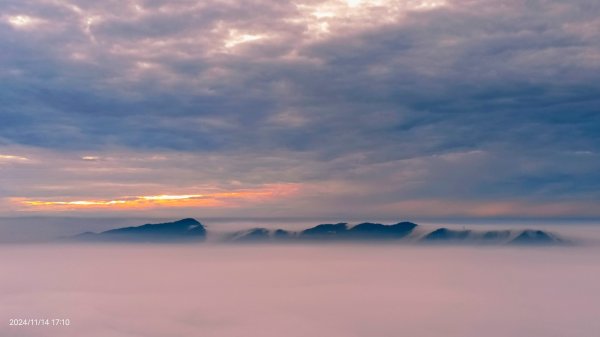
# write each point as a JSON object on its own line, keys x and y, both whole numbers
{"x": 12, "y": 158}
{"x": 476, "y": 100}
{"x": 298, "y": 290}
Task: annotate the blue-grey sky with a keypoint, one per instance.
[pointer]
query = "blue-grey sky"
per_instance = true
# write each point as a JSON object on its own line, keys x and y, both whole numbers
{"x": 349, "y": 108}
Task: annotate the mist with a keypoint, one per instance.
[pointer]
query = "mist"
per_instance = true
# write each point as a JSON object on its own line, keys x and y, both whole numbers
{"x": 300, "y": 290}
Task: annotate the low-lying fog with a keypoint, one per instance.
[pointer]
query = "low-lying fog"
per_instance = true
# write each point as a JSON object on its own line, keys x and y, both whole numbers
{"x": 300, "y": 290}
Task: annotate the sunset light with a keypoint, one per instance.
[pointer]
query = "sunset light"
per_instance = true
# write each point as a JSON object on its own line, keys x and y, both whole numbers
{"x": 6, "y": 157}
{"x": 236, "y": 38}
{"x": 20, "y": 20}
{"x": 213, "y": 199}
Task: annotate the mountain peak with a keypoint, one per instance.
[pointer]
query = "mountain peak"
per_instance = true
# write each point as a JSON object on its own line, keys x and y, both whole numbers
{"x": 535, "y": 237}
{"x": 187, "y": 221}
{"x": 177, "y": 231}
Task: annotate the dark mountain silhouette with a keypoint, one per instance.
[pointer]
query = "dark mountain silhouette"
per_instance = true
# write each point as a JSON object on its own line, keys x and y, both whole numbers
{"x": 190, "y": 230}
{"x": 368, "y": 230}
{"x": 178, "y": 231}
{"x": 325, "y": 231}
{"x": 535, "y": 237}
{"x": 281, "y": 234}
{"x": 525, "y": 237}
{"x": 363, "y": 231}
{"x": 445, "y": 234}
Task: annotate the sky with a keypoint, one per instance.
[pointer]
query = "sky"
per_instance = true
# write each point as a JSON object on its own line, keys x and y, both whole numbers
{"x": 337, "y": 108}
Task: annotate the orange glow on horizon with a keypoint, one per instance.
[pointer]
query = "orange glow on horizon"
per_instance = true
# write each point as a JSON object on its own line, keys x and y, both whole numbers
{"x": 171, "y": 197}
{"x": 218, "y": 199}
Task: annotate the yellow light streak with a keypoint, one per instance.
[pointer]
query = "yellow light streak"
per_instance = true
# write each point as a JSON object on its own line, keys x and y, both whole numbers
{"x": 11, "y": 157}
{"x": 215, "y": 199}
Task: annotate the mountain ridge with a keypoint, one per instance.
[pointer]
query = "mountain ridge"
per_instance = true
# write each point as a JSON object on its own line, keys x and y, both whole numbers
{"x": 191, "y": 230}
{"x": 187, "y": 229}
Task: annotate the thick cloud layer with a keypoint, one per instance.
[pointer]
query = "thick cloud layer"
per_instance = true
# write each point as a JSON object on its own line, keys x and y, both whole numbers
{"x": 297, "y": 291}
{"x": 435, "y": 108}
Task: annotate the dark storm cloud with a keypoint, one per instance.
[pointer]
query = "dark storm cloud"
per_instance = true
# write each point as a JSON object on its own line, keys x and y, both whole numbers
{"x": 385, "y": 95}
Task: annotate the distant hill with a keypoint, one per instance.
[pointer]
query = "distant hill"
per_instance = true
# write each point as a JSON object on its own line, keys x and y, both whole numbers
{"x": 190, "y": 230}
{"x": 445, "y": 234}
{"x": 376, "y": 230}
{"x": 259, "y": 235}
{"x": 535, "y": 237}
{"x": 184, "y": 230}
{"x": 400, "y": 232}
{"x": 515, "y": 237}
{"x": 327, "y": 232}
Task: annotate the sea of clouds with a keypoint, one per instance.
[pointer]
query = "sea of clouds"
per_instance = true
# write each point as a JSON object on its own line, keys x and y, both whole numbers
{"x": 300, "y": 290}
